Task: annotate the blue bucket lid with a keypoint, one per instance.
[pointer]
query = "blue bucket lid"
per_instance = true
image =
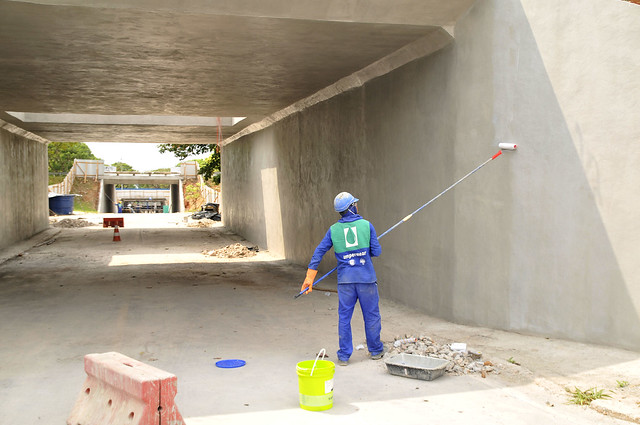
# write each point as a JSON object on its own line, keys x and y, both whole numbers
{"x": 230, "y": 363}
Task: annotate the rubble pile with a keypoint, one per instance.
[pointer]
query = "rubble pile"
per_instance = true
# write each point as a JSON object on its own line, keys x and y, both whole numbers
{"x": 461, "y": 362}
{"x": 70, "y": 223}
{"x": 205, "y": 222}
{"x": 232, "y": 251}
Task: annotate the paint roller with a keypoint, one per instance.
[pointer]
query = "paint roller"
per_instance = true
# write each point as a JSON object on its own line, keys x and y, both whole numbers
{"x": 502, "y": 146}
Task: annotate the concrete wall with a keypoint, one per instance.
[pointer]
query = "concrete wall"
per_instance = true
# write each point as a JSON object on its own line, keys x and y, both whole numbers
{"x": 24, "y": 206}
{"x": 542, "y": 240}
{"x": 557, "y": 224}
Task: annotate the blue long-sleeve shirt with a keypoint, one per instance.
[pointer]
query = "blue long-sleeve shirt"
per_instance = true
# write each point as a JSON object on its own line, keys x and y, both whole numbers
{"x": 354, "y": 265}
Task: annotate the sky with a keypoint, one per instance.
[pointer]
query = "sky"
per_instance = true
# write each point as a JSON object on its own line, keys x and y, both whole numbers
{"x": 141, "y": 156}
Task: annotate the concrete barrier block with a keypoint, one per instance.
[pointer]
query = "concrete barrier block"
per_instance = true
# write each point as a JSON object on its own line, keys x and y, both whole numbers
{"x": 112, "y": 221}
{"x": 121, "y": 390}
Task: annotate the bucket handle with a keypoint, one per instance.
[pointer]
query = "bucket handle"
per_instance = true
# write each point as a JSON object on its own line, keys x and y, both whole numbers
{"x": 323, "y": 352}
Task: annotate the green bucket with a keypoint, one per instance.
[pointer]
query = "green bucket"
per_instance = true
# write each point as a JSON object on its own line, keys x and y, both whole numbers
{"x": 315, "y": 382}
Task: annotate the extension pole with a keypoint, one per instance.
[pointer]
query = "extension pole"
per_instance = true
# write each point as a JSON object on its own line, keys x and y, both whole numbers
{"x": 416, "y": 211}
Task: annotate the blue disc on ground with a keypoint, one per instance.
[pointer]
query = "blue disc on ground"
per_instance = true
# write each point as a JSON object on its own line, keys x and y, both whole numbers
{"x": 230, "y": 363}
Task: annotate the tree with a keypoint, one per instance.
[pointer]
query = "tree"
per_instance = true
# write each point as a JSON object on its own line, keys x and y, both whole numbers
{"x": 62, "y": 154}
{"x": 208, "y": 166}
{"x": 122, "y": 166}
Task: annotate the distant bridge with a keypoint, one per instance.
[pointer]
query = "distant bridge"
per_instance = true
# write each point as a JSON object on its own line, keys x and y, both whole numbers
{"x": 109, "y": 178}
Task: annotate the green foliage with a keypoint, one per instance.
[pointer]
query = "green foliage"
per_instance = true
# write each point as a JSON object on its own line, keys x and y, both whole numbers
{"x": 582, "y": 398}
{"x": 62, "y": 154}
{"x": 208, "y": 166}
{"x": 191, "y": 196}
{"x": 122, "y": 166}
{"x": 622, "y": 384}
{"x": 55, "y": 179}
{"x": 183, "y": 151}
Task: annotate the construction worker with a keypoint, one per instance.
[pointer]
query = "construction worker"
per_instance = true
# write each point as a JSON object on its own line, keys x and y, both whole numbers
{"x": 354, "y": 242}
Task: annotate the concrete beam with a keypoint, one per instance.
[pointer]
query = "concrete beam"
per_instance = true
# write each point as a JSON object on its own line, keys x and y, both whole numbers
{"x": 437, "y": 39}
{"x": 74, "y": 69}
{"x": 400, "y": 12}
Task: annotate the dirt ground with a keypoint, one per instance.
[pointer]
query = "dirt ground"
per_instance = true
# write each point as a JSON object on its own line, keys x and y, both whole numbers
{"x": 156, "y": 297}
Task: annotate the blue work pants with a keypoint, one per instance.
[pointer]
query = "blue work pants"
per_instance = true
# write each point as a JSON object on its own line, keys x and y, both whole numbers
{"x": 348, "y": 295}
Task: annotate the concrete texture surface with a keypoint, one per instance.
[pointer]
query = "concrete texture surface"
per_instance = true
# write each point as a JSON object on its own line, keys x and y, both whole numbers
{"x": 192, "y": 58}
{"x": 543, "y": 240}
{"x": 23, "y": 185}
{"x": 156, "y": 298}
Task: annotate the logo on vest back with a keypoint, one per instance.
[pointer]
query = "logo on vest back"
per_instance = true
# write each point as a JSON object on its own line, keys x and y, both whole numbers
{"x": 350, "y": 237}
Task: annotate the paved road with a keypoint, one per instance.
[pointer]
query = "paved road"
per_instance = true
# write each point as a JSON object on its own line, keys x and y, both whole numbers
{"x": 156, "y": 298}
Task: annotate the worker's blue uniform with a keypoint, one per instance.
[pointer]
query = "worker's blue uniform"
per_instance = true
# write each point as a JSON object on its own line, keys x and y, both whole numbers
{"x": 354, "y": 241}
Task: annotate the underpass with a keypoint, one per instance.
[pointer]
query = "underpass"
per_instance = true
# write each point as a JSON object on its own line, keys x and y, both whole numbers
{"x": 305, "y": 101}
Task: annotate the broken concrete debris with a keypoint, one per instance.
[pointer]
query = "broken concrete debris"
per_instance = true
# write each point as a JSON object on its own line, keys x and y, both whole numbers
{"x": 202, "y": 223}
{"x": 71, "y": 223}
{"x": 460, "y": 362}
{"x": 236, "y": 250}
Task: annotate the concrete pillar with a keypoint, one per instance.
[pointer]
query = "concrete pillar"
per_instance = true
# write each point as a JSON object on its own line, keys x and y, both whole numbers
{"x": 110, "y": 194}
{"x": 107, "y": 201}
{"x": 180, "y": 196}
{"x": 174, "y": 206}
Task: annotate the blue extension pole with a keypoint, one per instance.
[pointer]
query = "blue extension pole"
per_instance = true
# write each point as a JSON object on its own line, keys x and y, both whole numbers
{"x": 404, "y": 220}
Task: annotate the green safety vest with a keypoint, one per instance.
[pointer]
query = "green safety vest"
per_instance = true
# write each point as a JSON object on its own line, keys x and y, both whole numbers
{"x": 350, "y": 236}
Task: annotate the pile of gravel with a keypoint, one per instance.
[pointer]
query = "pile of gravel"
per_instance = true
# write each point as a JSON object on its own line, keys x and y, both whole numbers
{"x": 461, "y": 362}
{"x": 232, "y": 251}
{"x": 71, "y": 223}
{"x": 202, "y": 223}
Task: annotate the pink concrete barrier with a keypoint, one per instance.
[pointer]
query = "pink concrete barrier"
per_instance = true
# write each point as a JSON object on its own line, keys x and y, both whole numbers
{"x": 121, "y": 390}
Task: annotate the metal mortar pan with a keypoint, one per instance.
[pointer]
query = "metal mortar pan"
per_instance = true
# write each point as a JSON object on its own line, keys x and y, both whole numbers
{"x": 417, "y": 367}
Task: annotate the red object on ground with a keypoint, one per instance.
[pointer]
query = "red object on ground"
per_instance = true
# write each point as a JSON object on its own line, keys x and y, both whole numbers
{"x": 113, "y": 221}
{"x": 116, "y": 234}
{"x": 121, "y": 390}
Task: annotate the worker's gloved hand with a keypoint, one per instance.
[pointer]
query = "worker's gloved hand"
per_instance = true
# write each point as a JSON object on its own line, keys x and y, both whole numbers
{"x": 307, "y": 286}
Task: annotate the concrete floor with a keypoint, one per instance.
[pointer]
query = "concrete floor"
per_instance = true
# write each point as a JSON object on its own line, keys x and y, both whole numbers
{"x": 156, "y": 298}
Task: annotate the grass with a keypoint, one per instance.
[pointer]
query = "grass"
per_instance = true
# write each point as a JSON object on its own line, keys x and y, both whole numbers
{"x": 585, "y": 397}
{"x": 83, "y": 206}
{"x": 55, "y": 179}
{"x": 622, "y": 384}
{"x": 89, "y": 192}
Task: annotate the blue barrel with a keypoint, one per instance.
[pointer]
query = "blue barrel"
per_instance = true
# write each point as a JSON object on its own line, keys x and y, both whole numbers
{"x": 61, "y": 204}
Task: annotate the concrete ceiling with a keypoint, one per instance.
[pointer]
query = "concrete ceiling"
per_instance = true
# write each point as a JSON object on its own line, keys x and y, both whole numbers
{"x": 151, "y": 70}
